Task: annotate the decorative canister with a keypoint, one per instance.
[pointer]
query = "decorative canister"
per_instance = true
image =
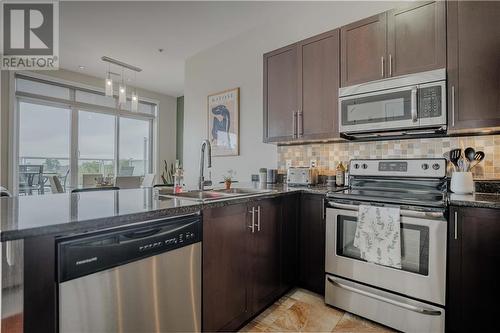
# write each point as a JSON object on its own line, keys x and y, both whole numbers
{"x": 462, "y": 182}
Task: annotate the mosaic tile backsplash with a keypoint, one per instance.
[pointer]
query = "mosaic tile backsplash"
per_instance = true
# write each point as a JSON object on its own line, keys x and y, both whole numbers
{"x": 328, "y": 155}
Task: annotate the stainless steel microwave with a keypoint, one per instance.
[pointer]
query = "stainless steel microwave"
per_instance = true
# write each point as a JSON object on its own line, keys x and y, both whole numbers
{"x": 409, "y": 104}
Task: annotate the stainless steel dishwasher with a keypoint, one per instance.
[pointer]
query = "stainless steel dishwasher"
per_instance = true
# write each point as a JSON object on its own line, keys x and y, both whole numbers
{"x": 144, "y": 278}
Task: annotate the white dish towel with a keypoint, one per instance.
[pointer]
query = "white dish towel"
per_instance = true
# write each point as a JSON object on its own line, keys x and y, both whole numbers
{"x": 378, "y": 235}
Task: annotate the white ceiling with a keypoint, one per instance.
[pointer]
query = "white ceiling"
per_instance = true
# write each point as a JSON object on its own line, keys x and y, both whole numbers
{"x": 134, "y": 31}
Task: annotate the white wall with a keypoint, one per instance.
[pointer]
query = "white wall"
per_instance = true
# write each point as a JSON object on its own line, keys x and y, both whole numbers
{"x": 238, "y": 63}
{"x": 166, "y": 138}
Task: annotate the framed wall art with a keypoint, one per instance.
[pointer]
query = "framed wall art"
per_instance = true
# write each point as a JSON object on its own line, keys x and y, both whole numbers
{"x": 224, "y": 122}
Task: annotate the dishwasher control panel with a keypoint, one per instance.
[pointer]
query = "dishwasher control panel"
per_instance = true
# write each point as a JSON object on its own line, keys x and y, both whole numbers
{"x": 181, "y": 238}
{"x": 82, "y": 255}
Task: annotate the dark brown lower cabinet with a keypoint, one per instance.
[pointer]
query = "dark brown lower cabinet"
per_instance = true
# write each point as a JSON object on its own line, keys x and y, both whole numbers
{"x": 247, "y": 268}
{"x": 225, "y": 267}
{"x": 264, "y": 251}
{"x": 289, "y": 242}
{"x": 473, "y": 290}
{"x": 312, "y": 243}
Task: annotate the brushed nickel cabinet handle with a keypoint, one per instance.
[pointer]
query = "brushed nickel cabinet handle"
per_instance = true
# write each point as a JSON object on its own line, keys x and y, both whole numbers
{"x": 258, "y": 218}
{"x": 294, "y": 120}
{"x": 456, "y": 225}
{"x": 300, "y": 123}
{"x": 252, "y": 226}
{"x": 323, "y": 209}
{"x": 390, "y": 64}
{"x": 382, "y": 66}
{"x": 452, "y": 106}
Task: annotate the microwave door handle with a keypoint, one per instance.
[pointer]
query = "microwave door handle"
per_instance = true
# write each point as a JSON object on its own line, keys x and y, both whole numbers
{"x": 414, "y": 116}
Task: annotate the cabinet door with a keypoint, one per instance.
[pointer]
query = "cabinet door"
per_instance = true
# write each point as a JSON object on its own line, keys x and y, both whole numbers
{"x": 473, "y": 64}
{"x": 312, "y": 243}
{"x": 473, "y": 287}
{"x": 225, "y": 267}
{"x": 363, "y": 49}
{"x": 280, "y": 94}
{"x": 416, "y": 38}
{"x": 289, "y": 242}
{"x": 319, "y": 81}
{"x": 265, "y": 253}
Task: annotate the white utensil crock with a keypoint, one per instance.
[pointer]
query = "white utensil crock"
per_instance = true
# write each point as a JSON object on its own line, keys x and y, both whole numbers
{"x": 462, "y": 182}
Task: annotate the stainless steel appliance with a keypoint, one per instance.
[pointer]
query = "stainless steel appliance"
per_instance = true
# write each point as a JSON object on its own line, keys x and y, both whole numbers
{"x": 301, "y": 176}
{"x": 139, "y": 279}
{"x": 410, "y": 299}
{"x": 404, "y": 105}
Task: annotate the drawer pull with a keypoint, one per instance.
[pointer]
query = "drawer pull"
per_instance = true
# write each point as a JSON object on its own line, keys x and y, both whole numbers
{"x": 410, "y": 307}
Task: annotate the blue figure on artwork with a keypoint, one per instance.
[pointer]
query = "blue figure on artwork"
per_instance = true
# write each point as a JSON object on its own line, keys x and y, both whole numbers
{"x": 221, "y": 123}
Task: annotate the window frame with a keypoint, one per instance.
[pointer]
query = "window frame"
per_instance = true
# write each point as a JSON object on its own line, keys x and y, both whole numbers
{"x": 75, "y": 107}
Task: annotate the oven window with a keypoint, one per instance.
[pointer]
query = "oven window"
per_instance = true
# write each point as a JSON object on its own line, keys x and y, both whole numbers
{"x": 414, "y": 244}
{"x": 378, "y": 108}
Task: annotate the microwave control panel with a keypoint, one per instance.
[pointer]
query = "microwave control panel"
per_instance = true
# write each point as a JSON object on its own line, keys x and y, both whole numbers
{"x": 430, "y": 102}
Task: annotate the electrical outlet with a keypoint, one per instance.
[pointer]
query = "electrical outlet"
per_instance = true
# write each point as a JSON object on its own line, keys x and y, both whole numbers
{"x": 312, "y": 163}
{"x": 288, "y": 164}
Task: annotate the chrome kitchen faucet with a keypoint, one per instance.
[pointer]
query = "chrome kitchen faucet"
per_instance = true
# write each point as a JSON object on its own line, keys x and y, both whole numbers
{"x": 201, "y": 180}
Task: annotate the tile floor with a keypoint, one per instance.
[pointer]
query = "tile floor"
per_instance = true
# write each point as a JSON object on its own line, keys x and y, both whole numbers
{"x": 304, "y": 311}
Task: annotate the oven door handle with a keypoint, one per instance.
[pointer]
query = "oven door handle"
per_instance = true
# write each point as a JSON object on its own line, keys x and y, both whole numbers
{"x": 410, "y": 307}
{"x": 403, "y": 212}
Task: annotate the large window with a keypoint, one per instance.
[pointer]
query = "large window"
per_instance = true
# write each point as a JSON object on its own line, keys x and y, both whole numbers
{"x": 134, "y": 146}
{"x": 44, "y": 145}
{"x": 77, "y": 134}
{"x": 96, "y": 145}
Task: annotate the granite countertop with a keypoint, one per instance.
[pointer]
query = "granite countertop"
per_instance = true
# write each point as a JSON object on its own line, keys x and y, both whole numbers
{"x": 486, "y": 195}
{"x": 63, "y": 214}
{"x": 480, "y": 200}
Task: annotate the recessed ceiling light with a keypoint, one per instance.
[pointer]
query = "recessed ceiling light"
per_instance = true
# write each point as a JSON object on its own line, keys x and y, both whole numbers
{"x": 160, "y": 50}
{"x": 81, "y": 67}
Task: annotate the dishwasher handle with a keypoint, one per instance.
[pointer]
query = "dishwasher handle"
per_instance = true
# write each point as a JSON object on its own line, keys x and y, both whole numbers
{"x": 142, "y": 234}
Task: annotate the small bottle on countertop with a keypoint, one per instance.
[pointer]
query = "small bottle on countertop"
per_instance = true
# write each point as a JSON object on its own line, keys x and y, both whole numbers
{"x": 339, "y": 174}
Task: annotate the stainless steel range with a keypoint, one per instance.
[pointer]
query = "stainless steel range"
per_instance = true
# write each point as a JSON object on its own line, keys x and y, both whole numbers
{"x": 410, "y": 299}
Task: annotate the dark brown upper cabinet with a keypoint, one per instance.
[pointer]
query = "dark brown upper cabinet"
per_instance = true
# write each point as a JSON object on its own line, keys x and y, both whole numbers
{"x": 319, "y": 86}
{"x": 473, "y": 65}
{"x": 301, "y": 84}
{"x": 416, "y": 38}
{"x": 280, "y": 94}
{"x": 408, "y": 39}
{"x": 363, "y": 50}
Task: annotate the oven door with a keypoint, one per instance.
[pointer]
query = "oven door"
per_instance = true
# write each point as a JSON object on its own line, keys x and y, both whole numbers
{"x": 423, "y": 250}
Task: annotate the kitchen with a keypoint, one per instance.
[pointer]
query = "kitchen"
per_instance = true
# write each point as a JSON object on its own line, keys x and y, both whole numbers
{"x": 307, "y": 82}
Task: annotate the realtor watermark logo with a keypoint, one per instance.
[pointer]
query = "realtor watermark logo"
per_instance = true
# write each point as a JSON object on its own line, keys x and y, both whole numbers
{"x": 29, "y": 35}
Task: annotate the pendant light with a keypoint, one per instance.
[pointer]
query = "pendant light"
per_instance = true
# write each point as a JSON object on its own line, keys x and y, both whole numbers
{"x": 135, "y": 97}
{"x": 109, "y": 83}
{"x": 122, "y": 91}
{"x": 135, "y": 102}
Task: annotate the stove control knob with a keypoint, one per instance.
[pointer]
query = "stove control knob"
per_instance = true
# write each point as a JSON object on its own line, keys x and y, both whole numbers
{"x": 436, "y": 166}
{"x": 365, "y": 166}
{"x": 356, "y": 166}
{"x": 425, "y": 166}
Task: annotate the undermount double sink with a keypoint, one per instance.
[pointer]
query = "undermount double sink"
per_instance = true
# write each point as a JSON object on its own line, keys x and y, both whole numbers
{"x": 220, "y": 194}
